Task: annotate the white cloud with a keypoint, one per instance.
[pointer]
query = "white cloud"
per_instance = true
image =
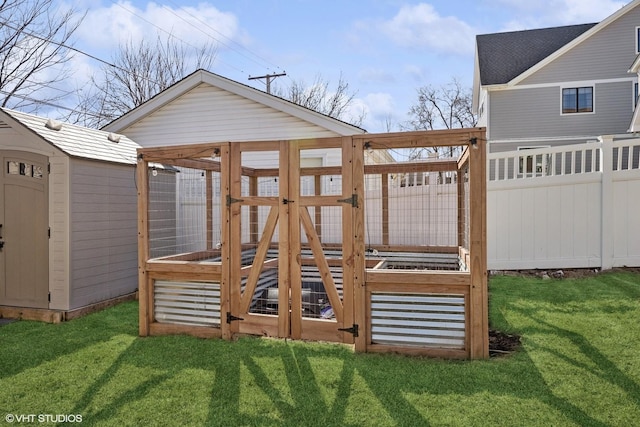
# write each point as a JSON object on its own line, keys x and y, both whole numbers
{"x": 106, "y": 27}
{"x": 421, "y": 26}
{"x": 548, "y": 13}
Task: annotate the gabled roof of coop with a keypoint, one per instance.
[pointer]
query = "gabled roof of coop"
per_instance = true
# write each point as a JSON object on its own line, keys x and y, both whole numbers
{"x": 202, "y": 76}
{"x": 78, "y": 141}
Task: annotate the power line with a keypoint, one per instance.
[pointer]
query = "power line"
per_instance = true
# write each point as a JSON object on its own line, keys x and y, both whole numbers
{"x": 183, "y": 9}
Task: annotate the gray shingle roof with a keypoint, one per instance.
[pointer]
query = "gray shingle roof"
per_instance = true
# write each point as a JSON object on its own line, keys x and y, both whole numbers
{"x": 78, "y": 141}
{"x": 504, "y": 56}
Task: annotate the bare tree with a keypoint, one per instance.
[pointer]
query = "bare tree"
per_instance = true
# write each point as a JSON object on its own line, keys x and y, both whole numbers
{"x": 138, "y": 72}
{"x": 35, "y": 45}
{"x": 318, "y": 96}
{"x": 445, "y": 107}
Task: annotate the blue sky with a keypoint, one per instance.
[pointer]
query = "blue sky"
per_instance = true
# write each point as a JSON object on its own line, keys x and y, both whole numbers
{"x": 384, "y": 49}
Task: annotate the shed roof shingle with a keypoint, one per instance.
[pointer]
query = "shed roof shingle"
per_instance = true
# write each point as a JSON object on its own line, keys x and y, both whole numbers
{"x": 78, "y": 141}
{"x": 504, "y": 56}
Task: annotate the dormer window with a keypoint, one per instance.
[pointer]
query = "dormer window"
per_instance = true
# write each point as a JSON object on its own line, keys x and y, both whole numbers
{"x": 577, "y": 100}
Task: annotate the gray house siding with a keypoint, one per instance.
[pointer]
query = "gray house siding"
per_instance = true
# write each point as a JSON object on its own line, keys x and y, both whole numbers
{"x": 103, "y": 207}
{"x": 608, "y": 54}
{"x": 536, "y": 113}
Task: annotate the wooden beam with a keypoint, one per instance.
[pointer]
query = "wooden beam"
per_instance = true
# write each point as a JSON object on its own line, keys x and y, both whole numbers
{"x": 234, "y": 250}
{"x": 289, "y": 281}
{"x": 408, "y": 167}
{"x": 478, "y": 300}
{"x": 358, "y": 304}
{"x": 419, "y": 139}
{"x": 146, "y": 297}
{"x": 226, "y": 285}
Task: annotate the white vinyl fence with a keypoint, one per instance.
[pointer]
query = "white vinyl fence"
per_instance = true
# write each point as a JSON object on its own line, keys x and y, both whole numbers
{"x": 575, "y": 206}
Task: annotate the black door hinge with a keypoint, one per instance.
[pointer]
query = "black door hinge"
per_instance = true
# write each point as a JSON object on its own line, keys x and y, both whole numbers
{"x": 49, "y": 168}
{"x": 353, "y": 200}
{"x": 49, "y": 232}
{"x": 49, "y": 297}
{"x": 231, "y": 200}
{"x": 231, "y": 317}
{"x": 352, "y": 330}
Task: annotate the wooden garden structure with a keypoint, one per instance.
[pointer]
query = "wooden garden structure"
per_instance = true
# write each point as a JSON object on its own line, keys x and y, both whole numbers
{"x": 377, "y": 240}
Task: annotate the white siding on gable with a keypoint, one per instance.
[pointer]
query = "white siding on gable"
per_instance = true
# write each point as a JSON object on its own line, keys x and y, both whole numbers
{"x": 209, "y": 114}
{"x": 607, "y": 54}
{"x": 103, "y": 231}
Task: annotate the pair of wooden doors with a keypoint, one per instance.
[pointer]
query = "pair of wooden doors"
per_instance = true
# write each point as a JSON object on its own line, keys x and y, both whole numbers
{"x": 291, "y": 240}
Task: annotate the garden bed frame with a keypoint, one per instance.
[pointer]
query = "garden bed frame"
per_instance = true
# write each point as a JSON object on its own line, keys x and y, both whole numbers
{"x": 415, "y": 299}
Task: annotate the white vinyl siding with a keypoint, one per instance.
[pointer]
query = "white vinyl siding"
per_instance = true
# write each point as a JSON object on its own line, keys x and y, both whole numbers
{"x": 209, "y": 114}
{"x": 103, "y": 231}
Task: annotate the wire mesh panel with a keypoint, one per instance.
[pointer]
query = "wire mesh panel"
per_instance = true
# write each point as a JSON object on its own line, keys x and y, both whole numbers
{"x": 426, "y": 320}
{"x": 412, "y": 204}
{"x": 187, "y": 303}
{"x": 184, "y": 212}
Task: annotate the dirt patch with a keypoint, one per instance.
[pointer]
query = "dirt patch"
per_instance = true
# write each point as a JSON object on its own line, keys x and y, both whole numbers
{"x": 501, "y": 344}
{"x": 565, "y": 273}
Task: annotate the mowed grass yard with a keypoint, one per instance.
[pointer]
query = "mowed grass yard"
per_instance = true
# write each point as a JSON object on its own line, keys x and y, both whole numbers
{"x": 579, "y": 365}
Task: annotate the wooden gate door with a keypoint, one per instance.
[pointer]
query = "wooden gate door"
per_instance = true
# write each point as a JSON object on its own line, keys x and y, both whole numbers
{"x": 289, "y": 274}
{"x": 321, "y": 243}
{"x": 24, "y": 243}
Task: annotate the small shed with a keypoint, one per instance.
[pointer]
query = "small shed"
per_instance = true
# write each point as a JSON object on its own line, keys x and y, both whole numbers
{"x": 68, "y": 210}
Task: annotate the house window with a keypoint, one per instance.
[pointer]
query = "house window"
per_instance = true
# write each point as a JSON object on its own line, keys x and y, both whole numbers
{"x": 637, "y": 40}
{"x": 577, "y": 100}
{"x": 635, "y": 95}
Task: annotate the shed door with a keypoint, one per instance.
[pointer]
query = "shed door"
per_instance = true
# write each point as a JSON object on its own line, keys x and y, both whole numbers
{"x": 24, "y": 252}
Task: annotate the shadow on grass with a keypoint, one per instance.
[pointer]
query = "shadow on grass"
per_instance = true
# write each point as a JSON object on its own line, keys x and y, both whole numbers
{"x": 275, "y": 382}
{"x": 37, "y": 342}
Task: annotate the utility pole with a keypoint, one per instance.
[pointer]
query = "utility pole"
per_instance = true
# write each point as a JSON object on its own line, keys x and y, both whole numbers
{"x": 268, "y": 78}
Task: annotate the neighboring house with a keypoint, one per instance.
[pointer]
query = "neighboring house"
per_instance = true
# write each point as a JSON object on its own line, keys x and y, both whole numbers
{"x": 568, "y": 96}
{"x": 68, "y": 217}
{"x": 558, "y": 86}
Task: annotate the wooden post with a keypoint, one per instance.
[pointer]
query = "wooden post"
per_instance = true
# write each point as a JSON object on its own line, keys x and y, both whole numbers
{"x": 289, "y": 262}
{"x": 478, "y": 293}
{"x": 144, "y": 289}
{"x": 226, "y": 283}
{"x": 234, "y": 251}
{"x": 360, "y": 314}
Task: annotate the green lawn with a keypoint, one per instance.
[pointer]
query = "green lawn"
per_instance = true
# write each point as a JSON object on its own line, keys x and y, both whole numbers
{"x": 579, "y": 365}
